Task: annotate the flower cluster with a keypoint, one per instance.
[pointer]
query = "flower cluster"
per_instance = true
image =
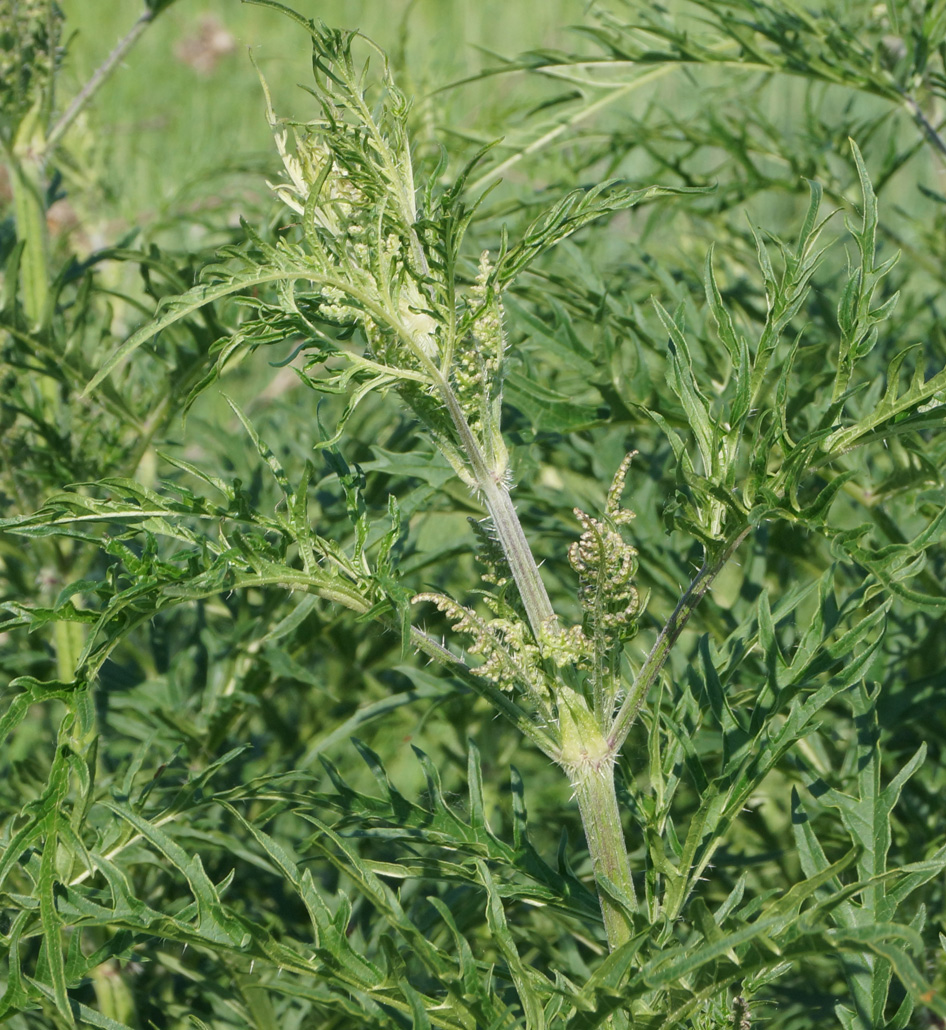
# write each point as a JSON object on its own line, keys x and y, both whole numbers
{"x": 564, "y": 647}
{"x": 353, "y": 228}
{"x": 606, "y": 564}
{"x": 511, "y": 658}
{"x": 489, "y": 554}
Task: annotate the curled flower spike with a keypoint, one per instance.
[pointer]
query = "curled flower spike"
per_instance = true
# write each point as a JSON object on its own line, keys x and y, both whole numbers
{"x": 489, "y": 554}
{"x": 613, "y": 510}
{"x": 606, "y": 564}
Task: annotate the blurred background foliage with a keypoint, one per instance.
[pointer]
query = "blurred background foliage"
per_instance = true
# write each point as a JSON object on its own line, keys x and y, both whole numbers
{"x": 154, "y": 177}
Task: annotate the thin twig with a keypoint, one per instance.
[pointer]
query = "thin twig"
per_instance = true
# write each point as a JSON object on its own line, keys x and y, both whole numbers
{"x": 663, "y": 645}
{"x": 617, "y": 92}
{"x": 932, "y": 133}
{"x": 98, "y": 78}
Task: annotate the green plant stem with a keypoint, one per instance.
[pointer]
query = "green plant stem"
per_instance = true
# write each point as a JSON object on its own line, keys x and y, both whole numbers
{"x": 69, "y": 640}
{"x": 535, "y": 598}
{"x": 593, "y": 784}
{"x": 614, "y": 96}
{"x": 667, "y": 637}
{"x": 525, "y": 571}
{"x": 586, "y": 756}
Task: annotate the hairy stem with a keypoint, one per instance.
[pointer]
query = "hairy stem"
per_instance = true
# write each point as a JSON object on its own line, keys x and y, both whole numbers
{"x": 525, "y": 571}
{"x": 601, "y": 820}
{"x": 588, "y": 759}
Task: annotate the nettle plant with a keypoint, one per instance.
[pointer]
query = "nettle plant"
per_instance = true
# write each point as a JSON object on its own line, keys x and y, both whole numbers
{"x": 380, "y": 295}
